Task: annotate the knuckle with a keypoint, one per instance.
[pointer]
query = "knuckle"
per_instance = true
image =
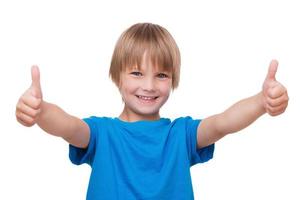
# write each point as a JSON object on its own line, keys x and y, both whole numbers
{"x": 283, "y": 109}
{"x": 30, "y": 121}
{"x": 21, "y": 122}
{"x": 271, "y": 102}
{"x": 18, "y": 116}
{"x": 29, "y": 124}
{"x": 25, "y": 120}
{"x": 275, "y": 110}
{"x": 19, "y": 106}
{"x": 22, "y": 98}
{"x": 271, "y": 113}
{"x": 275, "y": 113}
{"x": 271, "y": 109}
{"x": 287, "y": 98}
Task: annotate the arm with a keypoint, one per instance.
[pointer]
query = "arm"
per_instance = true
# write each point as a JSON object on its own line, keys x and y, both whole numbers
{"x": 32, "y": 109}
{"x": 272, "y": 99}
{"x": 55, "y": 121}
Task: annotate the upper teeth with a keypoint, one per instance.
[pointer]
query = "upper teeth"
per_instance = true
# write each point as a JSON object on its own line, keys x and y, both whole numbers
{"x": 146, "y": 98}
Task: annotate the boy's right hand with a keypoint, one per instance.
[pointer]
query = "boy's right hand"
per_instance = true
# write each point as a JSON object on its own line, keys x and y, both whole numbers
{"x": 29, "y": 105}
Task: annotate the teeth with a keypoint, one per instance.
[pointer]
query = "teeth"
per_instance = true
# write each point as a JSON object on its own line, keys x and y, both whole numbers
{"x": 146, "y": 98}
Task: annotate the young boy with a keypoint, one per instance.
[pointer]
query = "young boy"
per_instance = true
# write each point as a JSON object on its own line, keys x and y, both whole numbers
{"x": 140, "y": 155}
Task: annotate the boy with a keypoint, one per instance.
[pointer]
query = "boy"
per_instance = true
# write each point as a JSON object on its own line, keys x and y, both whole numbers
{"x": 140, "y": 155}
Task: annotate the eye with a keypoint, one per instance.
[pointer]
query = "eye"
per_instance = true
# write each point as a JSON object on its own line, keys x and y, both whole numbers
{"x": 136, "y": 73}
{"x": 162, "y": 75}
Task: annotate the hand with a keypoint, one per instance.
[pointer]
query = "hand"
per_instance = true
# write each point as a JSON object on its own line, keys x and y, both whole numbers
{"x": 29, "y": 105}
{"x": 275, "y": 96}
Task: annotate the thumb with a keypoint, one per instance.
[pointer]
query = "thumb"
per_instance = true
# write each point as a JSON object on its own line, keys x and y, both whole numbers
{"x": 272, "y": 71}
{"x": 36, "y": 85}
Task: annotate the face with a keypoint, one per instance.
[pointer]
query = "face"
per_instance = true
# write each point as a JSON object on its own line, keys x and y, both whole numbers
{"x": 144, "y": 91}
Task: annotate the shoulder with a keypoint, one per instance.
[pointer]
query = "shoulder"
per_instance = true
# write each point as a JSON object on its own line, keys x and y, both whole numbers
{"x": 186, "y": 120}
{"x": 98, "y": 121}
{"x": 187, "y": 124}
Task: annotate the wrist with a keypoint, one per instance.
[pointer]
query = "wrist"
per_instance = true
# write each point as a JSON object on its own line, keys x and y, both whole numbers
{"x": 261, "y": 103}
{"x": 43, "y": 110}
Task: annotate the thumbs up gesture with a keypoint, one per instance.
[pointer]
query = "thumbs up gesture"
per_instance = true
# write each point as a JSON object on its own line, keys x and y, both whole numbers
{"x": 29, "y": 105}
{"x": 275, "y": 96}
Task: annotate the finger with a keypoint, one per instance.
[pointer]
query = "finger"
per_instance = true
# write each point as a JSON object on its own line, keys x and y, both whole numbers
{"x": 278, "y": 101}
{"x": 31, "y": 101}
{"x": 25, "y": 119}
{"x": 277, "y": 113}
{"x": 278, "y": 109}
{"x": 276, "y": 91}
{"x": 23, "y": 108}
{"x": 24, "y": 123}
{"x": 36, "y": 85}
{"x": 272, "y": 70}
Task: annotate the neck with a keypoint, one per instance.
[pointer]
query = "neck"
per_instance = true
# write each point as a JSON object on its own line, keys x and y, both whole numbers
{"x": 130, "y": 116}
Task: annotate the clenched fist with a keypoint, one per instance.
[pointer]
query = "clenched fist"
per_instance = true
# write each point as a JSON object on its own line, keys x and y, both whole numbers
{"x": 29, "y": 105}
{"x": 275, "y": 94}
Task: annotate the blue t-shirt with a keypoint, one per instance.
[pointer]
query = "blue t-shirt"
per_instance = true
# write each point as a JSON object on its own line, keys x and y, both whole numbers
{"x": 147, "y": 160}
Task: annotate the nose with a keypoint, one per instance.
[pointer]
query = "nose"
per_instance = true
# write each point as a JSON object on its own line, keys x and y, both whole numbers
{"x": 148, "y": 84}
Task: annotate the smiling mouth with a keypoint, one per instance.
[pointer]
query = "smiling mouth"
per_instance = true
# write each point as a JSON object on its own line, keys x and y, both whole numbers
{"x": 146, "y": 98}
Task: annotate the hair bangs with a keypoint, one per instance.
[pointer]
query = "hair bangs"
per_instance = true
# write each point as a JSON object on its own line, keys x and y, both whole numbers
{"x": 152, "y": 48}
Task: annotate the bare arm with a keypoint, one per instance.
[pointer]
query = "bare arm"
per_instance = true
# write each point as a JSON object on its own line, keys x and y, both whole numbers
{"x": 273, "y": 99}
{"x": 55, "y": 121}
{"x": 32, "y": 109}
{"x": 235, "y": 118}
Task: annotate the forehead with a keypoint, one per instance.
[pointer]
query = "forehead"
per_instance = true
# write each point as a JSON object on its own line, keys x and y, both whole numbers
{"x": 148, "y": 62}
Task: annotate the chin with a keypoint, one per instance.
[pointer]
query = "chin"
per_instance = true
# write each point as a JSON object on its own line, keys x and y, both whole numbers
{"x": 148, "y": 113}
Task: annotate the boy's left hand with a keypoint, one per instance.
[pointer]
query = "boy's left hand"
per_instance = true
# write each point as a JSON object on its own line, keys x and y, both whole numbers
{"x": 275, "y": 96}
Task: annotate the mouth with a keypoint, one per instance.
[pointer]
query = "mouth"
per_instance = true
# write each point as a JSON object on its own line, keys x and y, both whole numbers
{"x": 147, "y": 98}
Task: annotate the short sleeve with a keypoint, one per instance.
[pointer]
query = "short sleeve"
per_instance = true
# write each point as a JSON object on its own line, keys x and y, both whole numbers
{"x": 196, "y": 155}
{"x": 79, "y": 156}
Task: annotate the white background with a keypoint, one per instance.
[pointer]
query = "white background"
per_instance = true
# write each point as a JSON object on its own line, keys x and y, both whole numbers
{"x": 226, "y": 48}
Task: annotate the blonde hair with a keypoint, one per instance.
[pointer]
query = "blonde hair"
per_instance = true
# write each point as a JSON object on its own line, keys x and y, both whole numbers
{"x": 152, "y": 39}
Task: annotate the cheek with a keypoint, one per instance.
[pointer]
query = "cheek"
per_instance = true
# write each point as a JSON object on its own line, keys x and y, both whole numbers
{"x": 127, "y": 87}
{"x": 166, "y": 88}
